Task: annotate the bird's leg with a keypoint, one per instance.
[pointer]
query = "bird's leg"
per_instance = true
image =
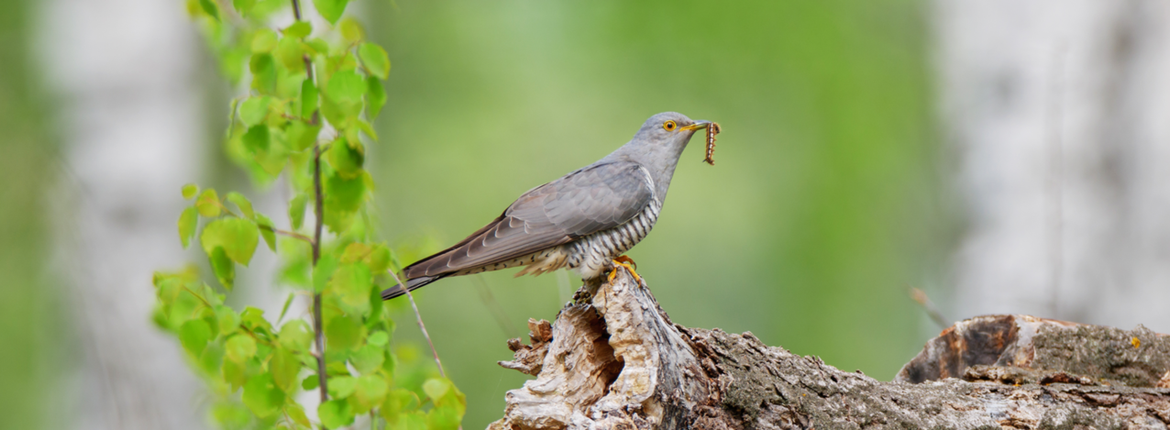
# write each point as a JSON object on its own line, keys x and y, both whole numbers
{"x": 626, "y": 262}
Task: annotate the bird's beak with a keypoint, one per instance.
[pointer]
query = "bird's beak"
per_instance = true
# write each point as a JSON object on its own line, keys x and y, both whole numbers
{"x": 702, "y": 123}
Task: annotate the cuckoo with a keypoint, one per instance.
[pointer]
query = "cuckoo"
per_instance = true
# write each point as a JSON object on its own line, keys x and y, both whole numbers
{"x": 583, "y": 221}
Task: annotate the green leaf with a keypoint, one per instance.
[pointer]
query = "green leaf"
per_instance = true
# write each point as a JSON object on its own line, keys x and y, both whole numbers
{"x": 297, "y": 413}
{"x": 238, "y": 238}
{"x": 262, "y": 396}
{"x": 399, "y": 401}
{"x": 210, "y": 7}
{"x": 242, "y": 203}
{"x": 368, "y": 129}
{"x": 367, "y": 358}
{"x": 244, "y": 7}
{"x": 346, "y": 158}
{"x": 446, "y": 417}
{"x": 375, "y": 97}
{"x": 187, "y": 222}
{"x": 331, "y": 10}
{"x": 379, "y": 259}
{"x": 189, "y": 191}
{"x": 257, "y": 138}
{"x": 341, "y": 387}
{"x": 234, "y": 374}
{"x": 212, "y": 358}
{"x": 229, "y": 322}
{"x": 284, "y": 309}
{"x": 296, "y": 335}
{"x": 301, "y": 136}
{"x": 263, "y": 68}
{"x": 345, "y": 87}
{"x": 323, "y": 271}
{"x": 263, "y": 41}
{"x": 310, "y": 382}
{"x": 254, "y": 319}
{"x": 267, "y": 231}
{"x": 343, "y": 332}
{"x": 344, "y": 194}
{"x": 221, "y": 264}
{"x": 375, "y": 59}
{"x": 296, "y": 211}
{"x": 378, "y": 338}
{"x": 230, "y": 415}
{"x": 240, "y": 348}
{"x": 415, "y": 420}
{"x": 290, "y": 54}
{"x": 370, "y": 392}
{"x": 284, "y": 367}
{"x": 308, "y": 99}
{"x": 254, "y": 110}
{"x": 194, "y": 335}
{"x": 298, "y": 29}
{"x": 335, "y": 413}
{"x": 352, "y": 282}
{"x": 436, "y": 388}
{"x": 351, "y": 31}
{"x": 389, "y": 364}
{"x": 208, "y": 203}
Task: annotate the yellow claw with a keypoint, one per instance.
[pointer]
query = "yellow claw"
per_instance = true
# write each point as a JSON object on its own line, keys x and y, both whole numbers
{"x": 626, "y": 262}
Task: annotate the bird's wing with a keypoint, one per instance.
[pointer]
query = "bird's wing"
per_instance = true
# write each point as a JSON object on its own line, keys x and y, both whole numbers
{"x": 592, "y": 199}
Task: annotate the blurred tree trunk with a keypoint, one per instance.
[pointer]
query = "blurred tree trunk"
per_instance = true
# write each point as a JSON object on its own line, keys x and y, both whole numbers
{"x": 132, "y": 128}
{"x": 1058, "y": 113}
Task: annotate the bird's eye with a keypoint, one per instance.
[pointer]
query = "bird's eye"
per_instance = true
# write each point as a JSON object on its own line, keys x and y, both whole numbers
{"x": 669, "y": 125}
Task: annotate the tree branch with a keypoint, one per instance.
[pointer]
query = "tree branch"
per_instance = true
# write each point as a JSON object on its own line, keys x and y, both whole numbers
{"x": 615, "y": 360}
{"x": 319, "y": 214}
{"x": 318, "y": 326}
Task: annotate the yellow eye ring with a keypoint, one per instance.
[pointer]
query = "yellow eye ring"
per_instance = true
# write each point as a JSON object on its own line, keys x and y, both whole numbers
{"x": 669, "y": 125}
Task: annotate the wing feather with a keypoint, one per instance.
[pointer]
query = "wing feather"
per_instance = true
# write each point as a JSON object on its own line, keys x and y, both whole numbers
{"x": 586, "y": 201}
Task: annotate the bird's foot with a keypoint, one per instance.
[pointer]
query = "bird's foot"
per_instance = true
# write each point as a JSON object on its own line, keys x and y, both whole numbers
{"x": 626, "y": 262}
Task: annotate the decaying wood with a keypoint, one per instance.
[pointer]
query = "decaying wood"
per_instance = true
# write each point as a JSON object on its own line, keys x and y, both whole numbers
{"x": 614, "y": 360}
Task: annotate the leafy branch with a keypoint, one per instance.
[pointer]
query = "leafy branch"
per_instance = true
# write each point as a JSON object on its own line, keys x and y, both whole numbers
{"x": 305, "y": 116}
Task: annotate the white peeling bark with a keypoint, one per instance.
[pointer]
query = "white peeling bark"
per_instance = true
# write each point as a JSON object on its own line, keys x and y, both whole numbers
{"x": 1057, "y": 113}
{"x": 132, "y": 125}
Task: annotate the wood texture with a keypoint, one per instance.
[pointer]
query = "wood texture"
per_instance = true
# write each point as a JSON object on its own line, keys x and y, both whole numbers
{"x": 614, "y": 360}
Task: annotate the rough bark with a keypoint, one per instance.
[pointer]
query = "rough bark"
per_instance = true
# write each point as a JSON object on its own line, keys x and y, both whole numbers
{"x": 614, "y": 360}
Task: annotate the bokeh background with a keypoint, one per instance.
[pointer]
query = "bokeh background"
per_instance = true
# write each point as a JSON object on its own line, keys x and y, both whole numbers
{"x": 1002, "y": 156}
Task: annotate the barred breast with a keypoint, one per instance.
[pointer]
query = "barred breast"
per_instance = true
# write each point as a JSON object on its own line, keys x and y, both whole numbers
{"x": 590, "y": 255}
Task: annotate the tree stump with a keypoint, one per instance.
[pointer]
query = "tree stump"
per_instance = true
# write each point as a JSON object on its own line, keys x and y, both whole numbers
{"x": 614, "y": 360}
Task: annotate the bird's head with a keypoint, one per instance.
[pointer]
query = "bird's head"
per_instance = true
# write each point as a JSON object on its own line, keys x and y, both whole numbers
{"x": 662, "y": 138}
{"x": 668, "y": 129}
{"x": 659, "y": 144}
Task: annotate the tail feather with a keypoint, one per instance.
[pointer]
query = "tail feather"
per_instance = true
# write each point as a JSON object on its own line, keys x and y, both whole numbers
{"x": 411, "y": 284}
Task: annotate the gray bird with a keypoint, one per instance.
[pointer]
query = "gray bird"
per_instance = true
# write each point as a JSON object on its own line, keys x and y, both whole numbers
{"x": 583, "y": 221}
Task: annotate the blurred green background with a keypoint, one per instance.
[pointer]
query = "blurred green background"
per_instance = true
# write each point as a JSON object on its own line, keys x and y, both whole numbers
{"x": 31, "y": 321}
{"x": 821, "y": 211}
{"x": 808, "y": 230}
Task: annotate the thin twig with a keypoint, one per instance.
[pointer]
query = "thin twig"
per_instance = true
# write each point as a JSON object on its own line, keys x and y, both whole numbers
{"x": 296, "y": 118}
{"x": 920, "y": 297}
{"x": 296, "y": 9}
{"x": 421, "y": 326}
{"x": 291, "y": 234}
{"x": 319, "y": 211}
{"x": 318, "y": 330}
